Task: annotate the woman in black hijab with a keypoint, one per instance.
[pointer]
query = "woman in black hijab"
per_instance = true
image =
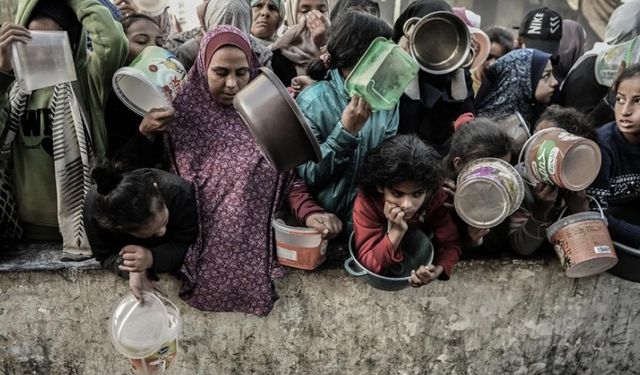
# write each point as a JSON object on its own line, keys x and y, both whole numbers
{"x": 431, "y": 110}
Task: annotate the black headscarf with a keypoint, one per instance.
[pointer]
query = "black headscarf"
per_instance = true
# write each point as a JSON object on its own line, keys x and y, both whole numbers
{"x": 63, "y": 15}
{"x": 342, "y": 6}
{"x": 418, "y": 8}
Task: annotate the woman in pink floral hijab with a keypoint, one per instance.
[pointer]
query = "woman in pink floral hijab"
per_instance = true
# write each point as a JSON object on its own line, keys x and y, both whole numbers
{"x": 231, "y": 266}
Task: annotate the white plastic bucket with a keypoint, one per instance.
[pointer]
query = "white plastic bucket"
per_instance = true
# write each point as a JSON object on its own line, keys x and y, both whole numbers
{"x": 298, "y": 247}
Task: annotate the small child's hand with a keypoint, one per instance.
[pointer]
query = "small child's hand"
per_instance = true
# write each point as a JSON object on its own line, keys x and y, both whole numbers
{"x": 300, "y": 83}
{"x": 327, "y": 224}
{"x": 318, "y": 25}
{"x": 477, "y": 234}
{"x": 395, "y": 216}
{"x": 449, "y": 187}
{"x": 424, "y": 275}
{"x": 135, "y": 258}
{"x": 356, "y": 114}
{"x": 545, "y": 196}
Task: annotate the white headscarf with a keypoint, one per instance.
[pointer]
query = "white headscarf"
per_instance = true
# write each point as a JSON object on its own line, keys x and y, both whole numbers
{"x": 624, "y": 23}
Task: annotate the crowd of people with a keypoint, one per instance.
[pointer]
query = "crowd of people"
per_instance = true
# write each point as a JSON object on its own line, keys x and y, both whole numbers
{"x": 186, "y": 190}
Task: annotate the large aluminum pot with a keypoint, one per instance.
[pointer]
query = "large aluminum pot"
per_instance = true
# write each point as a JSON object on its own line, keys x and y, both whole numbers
{"x": 440, "y": 42}
{"x": 276, "y": 122}
{"x": 418, "y": 251}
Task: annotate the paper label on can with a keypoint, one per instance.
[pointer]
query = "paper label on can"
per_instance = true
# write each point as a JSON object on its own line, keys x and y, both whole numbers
{"x": 287, "y": 254}
{"x": 544, "y": 165}
{"x": 602, "y": 250}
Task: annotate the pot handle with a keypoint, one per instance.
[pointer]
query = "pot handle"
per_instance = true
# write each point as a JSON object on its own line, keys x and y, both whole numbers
{"x": 350, "y": 270}
{"x": 408, "y": 25}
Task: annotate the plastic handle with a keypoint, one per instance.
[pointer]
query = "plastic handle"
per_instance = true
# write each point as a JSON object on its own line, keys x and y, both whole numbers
{"x": 522, "y": 150}
{"x": 350, "y": 270}
{"x": 564, "y": 210}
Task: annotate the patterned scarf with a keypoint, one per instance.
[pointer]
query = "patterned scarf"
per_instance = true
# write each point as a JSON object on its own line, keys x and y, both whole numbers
{"x": 72, "y": 151}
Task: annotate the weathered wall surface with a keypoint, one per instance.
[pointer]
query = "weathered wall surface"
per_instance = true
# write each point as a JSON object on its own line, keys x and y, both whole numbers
{"x": 492, "y": 318}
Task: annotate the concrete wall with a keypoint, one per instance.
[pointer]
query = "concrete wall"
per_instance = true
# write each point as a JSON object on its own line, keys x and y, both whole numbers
{"x": 493, "y": 317}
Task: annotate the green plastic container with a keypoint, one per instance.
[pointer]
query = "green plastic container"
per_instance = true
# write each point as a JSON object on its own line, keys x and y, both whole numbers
{"x": 382, "y": 74}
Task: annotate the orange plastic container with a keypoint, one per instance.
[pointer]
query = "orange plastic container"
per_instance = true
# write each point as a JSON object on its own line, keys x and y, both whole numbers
{"x": 298, "y": 247}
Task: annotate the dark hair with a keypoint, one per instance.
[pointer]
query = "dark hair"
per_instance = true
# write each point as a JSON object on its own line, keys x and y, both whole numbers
{"x": 132, "y": 18}
{"x": 503, "y": 37}
{"x": 400, "y": 158}
{"x": 626, "y": 74}
{"x": 480, "y": 138}
{"x": 367, "y": 6}
{"x": 571, "y": 120}
{"x": 350, "y": 36}
{"x": 125, "y": 201}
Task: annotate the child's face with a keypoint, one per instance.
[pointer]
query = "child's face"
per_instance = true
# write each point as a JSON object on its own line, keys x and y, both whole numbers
{"x": 627, "y": 108}
{"x": 408, "y": 195}
{"x": 306, "y": 6}
{"x": 546, "y": 85}
{"x": 141, "y": 34}
{"x": 156, "y": 227}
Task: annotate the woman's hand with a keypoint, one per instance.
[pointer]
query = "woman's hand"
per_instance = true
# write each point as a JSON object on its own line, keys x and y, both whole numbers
{"x": 127, "y": 7}
{"x": 424, "y": 275}
{"x": 318, "y": 25}
{"x": 138, "y": 281}
{"x": 327, "y": 224}
{"x": 156, "y": 121}
{"x": 355, "y": 115}
{"x": 11, "y": 33}
{"x": 545, "y": 197}
{"x": 136, "y": 258}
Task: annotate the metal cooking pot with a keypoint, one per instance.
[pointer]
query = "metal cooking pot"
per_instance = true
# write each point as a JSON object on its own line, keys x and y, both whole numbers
{"x": 439, "y": 42}
{"x": 276, "y": 122}
{"x": 628, "y": 266}
{"x": 418, "y": 251}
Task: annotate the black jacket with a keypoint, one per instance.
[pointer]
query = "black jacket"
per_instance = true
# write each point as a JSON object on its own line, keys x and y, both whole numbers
{"x": 169, "y": 250}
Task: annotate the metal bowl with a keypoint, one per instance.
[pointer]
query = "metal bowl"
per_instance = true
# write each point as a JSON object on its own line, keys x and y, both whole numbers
{"x": 418, "y": 251}
{"x": 440, "y": 42}
{"x": 276, "y": 122}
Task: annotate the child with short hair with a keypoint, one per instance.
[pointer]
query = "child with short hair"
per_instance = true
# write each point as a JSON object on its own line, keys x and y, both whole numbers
{"x": 400, "y": 183}
{"x": 543, "y": 203}
{"x": 617, "y": 186}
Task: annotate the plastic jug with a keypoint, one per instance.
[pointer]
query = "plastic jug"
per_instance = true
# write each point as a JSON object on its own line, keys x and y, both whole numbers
{"x": 608, "y": 62}
{"x": 382, "y": 74}
{"x": 45, "y": 61}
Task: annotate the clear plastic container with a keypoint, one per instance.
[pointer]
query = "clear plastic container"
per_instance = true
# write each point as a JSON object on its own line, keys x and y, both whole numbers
{"x": 608, "y": 61}
{"x": 382, "y": 74}
{"x": 297, "y": 247}
{"x": 43, "y": 62}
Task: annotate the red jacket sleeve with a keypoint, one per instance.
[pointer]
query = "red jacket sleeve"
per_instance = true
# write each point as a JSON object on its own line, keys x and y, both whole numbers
{"x": 373, "y": 247}
{"x": 301, "y": 201}
{"x": 447, "y": 242}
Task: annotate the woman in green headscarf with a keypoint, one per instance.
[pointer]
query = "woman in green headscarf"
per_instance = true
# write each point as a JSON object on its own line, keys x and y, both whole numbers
{"x": 267, "y": 17}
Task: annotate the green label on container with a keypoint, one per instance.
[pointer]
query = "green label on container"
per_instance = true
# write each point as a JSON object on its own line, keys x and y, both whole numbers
{"x": 545, "y": 164}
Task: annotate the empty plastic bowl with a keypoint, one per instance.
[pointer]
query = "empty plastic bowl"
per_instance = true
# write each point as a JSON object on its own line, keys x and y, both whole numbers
{"x": 382, "y": 74}
{"x": 45, "y": 61}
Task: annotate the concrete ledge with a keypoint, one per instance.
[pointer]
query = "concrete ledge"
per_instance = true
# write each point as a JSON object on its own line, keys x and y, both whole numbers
{"x": 492, "y": 317}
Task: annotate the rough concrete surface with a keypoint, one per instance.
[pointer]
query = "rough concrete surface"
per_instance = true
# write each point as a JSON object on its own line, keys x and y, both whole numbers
{"x": 492, "y": 317}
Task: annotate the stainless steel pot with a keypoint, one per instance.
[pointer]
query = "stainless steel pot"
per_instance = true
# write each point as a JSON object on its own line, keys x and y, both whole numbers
{"x": 440, "y": 42}
{"x": 276, "y": 122}
{"x": 418, "y": 251}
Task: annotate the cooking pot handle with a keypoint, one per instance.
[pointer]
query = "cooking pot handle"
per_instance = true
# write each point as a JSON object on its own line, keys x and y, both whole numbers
{"x": 408, "y": 25}
{"x": 350, "y": 270}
